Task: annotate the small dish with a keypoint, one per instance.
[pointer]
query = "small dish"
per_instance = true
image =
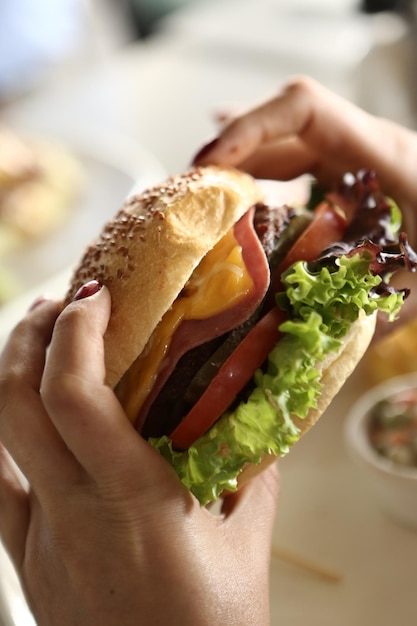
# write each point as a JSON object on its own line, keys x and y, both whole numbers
{"x": 390, "y": 472}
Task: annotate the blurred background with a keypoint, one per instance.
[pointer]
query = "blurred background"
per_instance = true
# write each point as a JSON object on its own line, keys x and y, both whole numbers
{"x": 366, "y": 47}
{"x": 98, "y": 96}
{"x": 131, "y": 89}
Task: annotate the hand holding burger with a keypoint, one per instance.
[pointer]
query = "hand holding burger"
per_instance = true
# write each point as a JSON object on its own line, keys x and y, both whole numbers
{"x": 103, "y": 532}
{"x": 90, "y": 476}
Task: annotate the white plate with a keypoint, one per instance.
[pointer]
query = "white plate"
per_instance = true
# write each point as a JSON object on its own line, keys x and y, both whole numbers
{"x": 112, "y": 166}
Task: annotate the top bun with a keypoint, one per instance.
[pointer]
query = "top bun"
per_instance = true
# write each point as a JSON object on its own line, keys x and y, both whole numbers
{"x": 146, "y": 254}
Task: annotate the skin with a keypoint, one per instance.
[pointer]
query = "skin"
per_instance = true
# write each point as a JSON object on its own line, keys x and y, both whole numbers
{"x": 308, "y": 129}
{"x": 105, "y": 533}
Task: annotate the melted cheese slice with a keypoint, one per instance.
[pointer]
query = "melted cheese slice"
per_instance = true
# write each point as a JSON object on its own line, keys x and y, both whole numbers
{"x": 220, "y": 281}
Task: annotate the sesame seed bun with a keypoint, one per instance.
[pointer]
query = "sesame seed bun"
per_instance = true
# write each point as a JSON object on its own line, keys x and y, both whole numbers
{"x": 146, "y": 254}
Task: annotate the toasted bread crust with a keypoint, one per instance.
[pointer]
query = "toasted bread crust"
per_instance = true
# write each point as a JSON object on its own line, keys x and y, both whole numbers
{"x": 146, "y": 254}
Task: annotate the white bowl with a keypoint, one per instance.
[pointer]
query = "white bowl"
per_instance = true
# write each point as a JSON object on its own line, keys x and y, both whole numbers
{"x": 394, "y": 486}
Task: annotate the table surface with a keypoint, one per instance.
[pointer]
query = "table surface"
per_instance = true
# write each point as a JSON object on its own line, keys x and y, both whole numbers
{"x": 164, "y": 95}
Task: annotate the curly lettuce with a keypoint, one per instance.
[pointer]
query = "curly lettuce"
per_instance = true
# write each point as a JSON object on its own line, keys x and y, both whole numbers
{"x": 323, "y": 300}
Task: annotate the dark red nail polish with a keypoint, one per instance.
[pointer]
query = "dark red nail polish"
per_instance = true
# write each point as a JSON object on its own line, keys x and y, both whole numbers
{"x": 205, "y": 150}
{"x": 87, "y": 290}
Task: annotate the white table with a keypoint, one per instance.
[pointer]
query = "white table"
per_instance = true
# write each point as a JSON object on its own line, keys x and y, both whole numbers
{"x": 163, "y": 95}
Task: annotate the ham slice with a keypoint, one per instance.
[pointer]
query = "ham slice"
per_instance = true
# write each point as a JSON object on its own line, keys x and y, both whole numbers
{"x": 192, "y": 333}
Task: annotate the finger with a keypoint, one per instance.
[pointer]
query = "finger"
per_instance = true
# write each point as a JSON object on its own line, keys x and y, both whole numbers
{"x": 289, "y": 159}
{"x": 324, "y": 122}
{"x": 282, "y": 160}
{"x": 337, "y": 135}
{"x": 332, "y": 135}
{"x": 14, "y": 512}
{"x": 25, "y": 428}
{"x": 27, "y": 343}
{"x": 332, "y": 129}
{"x": 84, "y": 410}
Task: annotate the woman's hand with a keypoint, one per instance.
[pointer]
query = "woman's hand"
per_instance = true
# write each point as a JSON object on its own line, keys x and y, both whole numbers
{"x": 105, "y": 533}
{"x": 307, "y": 128}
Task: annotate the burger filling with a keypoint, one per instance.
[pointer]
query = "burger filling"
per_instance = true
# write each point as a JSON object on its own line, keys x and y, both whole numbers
{"x": 233, "y": 399}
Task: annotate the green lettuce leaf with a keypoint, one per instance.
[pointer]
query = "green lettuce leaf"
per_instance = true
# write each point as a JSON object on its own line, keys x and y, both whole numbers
{"x": 323, "y": 302}
{"x": 396, "y": 217}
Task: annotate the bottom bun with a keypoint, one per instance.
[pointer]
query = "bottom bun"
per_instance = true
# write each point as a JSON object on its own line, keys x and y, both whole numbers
{"x": 336, "y": 369}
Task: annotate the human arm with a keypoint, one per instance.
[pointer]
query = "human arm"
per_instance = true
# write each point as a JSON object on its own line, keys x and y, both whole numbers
{"x": 106, "y": 534}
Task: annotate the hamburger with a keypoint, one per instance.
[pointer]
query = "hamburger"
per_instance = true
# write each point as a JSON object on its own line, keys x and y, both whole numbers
{"x": 235, "y": 323}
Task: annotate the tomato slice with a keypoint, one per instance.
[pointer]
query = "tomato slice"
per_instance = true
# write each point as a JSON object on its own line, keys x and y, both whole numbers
{"x": 327, "y": 227}
{"x": 236, "y": 371}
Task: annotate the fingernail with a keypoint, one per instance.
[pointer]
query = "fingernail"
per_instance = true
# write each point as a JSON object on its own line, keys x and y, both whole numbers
{"x": 87, "y": 290}
{"x": 205, "y": 150}
{"x": 38, "y": 301}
